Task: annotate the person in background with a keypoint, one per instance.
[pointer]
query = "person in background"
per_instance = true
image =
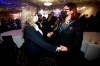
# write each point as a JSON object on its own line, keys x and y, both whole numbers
{"x": 35, "y": 46}
{"x": 49, "y": 25}
{"x": 51, "y": 19}
{"x": 68, "y": 33}
{"x": 40, "y": 22}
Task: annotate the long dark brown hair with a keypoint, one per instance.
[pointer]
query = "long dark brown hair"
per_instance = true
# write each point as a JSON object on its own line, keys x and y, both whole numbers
{"x": 72, "y": 6}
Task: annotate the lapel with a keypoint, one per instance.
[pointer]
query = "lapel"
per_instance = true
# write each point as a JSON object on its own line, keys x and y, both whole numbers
{"x": 33, "y": 29}
{"x": 70, "y": 26}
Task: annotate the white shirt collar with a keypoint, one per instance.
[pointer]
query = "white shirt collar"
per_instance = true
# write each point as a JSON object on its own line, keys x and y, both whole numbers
{"x": 37, "y": 28}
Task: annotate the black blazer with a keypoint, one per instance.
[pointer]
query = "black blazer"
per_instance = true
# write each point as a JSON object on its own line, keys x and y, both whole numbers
{"x": 34, "y": 42}
{"x": 71, "y": 37}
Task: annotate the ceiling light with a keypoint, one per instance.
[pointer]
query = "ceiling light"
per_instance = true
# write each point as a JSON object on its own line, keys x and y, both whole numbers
{"x": 47, "y": 4}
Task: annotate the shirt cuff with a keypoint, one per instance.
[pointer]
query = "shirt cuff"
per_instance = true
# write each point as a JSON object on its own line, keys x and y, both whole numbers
{"x": 58, "y": 49}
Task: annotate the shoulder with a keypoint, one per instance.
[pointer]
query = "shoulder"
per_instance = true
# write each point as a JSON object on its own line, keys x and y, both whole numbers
{"x": 28, "y": 27}
{"x": 78, "y": 26}
{"x": 77, "y": 23}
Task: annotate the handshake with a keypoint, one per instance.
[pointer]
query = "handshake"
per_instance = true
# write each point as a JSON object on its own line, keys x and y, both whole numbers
{"x": 62, "y": 48}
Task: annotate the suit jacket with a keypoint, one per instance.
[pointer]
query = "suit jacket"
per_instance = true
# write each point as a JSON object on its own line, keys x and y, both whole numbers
{"x": 34, "y": 42}
{"x": 40, "y": 25}
{"x": 71, "y": 37}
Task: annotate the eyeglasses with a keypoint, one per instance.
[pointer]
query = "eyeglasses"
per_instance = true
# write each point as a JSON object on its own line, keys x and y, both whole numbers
{"x": 65, "y": 9}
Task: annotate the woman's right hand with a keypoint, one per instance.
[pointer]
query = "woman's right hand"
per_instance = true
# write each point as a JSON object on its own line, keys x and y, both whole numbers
{"x": 49, "y": 34}
{"x": 63, "y": 48}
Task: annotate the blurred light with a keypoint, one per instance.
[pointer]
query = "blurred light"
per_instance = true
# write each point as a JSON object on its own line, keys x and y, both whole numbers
{"x": 6, "y": 3}
{"x": 41, "y": 12}
{"x": 23, "y": 7}
{"x": 47, "y": 4}
{"x": 16, "y": 16}
{"x": 83, "y": 7}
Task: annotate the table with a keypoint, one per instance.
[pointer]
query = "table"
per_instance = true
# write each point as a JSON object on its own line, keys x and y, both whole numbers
{"x": 17, "y": 36}
{"x": 91, "y": 45}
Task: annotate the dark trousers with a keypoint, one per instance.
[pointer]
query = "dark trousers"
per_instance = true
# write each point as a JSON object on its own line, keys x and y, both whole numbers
{"x": 68, "y": 59}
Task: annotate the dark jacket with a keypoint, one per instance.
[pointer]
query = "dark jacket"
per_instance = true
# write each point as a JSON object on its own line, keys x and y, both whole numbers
{"x": 71, "y": 37}
{"x": 34, "y": 42}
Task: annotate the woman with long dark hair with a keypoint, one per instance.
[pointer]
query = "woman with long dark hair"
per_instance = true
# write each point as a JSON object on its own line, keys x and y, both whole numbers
{"x": 68, "y": 33}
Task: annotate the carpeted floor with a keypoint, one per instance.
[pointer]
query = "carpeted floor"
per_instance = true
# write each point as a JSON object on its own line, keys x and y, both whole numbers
{"x": 17, "y": 57}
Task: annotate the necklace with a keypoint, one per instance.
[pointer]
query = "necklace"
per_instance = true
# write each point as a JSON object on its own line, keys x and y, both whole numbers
{"x": 67, "y": 22}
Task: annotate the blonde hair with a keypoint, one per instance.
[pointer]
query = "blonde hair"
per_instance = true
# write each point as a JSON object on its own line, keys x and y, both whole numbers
{"x": 27, "y": 16}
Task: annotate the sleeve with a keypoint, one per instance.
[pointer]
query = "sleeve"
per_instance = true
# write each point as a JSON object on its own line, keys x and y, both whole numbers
{"x": 77, "y": 38}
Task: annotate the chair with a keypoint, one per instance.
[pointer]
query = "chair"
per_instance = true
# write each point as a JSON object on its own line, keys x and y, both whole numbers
{"x": 9, "y": 51}
{"x": 7, "y": 38}
{"x": 8, "y": 41}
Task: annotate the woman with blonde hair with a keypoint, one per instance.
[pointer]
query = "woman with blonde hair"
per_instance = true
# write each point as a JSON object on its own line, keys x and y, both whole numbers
{"x": 35, "y": 46}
